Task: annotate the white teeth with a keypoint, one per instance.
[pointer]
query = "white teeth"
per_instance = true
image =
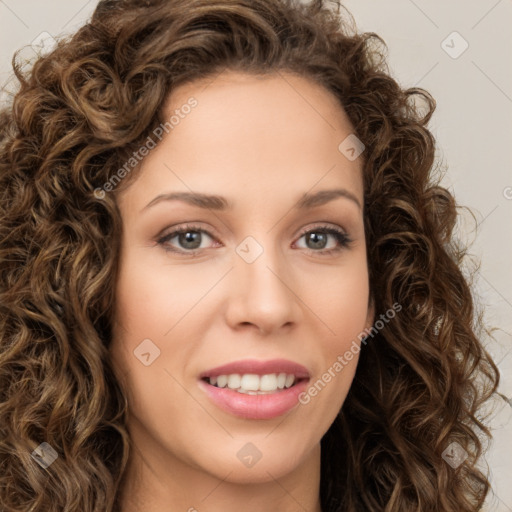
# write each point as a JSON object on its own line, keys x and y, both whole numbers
{"x": 250, "y": 382}
{"x": 234, "y": 381}
{"x": 269, "y": 382}
{"x": 253, "y": 384}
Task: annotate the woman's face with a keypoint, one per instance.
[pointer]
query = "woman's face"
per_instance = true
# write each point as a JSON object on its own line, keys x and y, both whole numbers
{"x": 259, "y": 279}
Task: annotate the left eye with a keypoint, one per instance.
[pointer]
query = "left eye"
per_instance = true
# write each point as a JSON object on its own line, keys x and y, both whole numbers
{"x": 190, "y": 239}
{"x": 318, "y": 237}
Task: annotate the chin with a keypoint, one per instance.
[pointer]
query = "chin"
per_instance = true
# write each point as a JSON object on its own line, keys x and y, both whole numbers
{"x": 249, "y": 465}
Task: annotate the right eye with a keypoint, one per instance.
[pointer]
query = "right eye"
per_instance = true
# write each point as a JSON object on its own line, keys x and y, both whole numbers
{"x": 189, "y": 239}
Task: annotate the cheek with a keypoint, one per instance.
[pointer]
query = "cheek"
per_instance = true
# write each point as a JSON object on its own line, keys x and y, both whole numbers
{"x": 151, "y": 298}
{"x": 341, "y": 301}
{"x": 342, "y": 305}
{"x": 145, "y": 348}
{"x": 154, "y": 307}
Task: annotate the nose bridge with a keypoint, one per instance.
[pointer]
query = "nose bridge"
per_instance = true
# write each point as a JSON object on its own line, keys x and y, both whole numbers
{"x": 263, "y": 295}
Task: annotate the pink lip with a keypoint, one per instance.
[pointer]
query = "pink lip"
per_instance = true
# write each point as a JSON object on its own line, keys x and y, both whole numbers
{"x": 258, "y": 368}
{"x": 258, "y": 407}
{"x": 255, "y": 407}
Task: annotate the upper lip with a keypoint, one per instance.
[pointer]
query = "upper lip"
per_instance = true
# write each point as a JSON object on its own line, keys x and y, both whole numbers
{"x": 257, "y": 367}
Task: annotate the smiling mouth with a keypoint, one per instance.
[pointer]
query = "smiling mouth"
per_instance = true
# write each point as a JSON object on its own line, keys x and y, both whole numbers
{"x": 253, "y": 384}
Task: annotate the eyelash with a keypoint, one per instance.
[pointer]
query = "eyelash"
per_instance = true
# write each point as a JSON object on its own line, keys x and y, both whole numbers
{"x": 342, "y": 238}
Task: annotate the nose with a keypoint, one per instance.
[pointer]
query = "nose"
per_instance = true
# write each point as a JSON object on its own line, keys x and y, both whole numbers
{"x": 262, "y": 295}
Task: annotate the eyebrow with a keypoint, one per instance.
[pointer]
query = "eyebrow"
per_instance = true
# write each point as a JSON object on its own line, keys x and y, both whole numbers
{"x": 213, "y": 202}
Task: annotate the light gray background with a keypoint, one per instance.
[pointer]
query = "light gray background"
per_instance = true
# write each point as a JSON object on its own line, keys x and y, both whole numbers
{"x": 472, "y": 124}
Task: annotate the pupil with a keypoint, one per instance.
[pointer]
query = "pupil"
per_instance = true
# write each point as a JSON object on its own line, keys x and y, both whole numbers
{"x": 318, "y": 240}
{"x": 190, "y": 239}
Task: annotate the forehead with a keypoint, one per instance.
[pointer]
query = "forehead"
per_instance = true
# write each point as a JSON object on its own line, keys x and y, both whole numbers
{"x": 258, "y": 134}
{"x": 264, "y": 104}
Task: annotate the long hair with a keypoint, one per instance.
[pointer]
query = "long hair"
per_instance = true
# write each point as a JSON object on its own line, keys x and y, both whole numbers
{"x": 78, "y": 115}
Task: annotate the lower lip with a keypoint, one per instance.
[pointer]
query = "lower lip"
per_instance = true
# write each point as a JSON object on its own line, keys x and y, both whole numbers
{"x": 255, "y": 407}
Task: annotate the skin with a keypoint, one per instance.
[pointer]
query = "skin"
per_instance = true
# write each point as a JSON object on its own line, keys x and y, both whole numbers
{"x": 261, "y": 142}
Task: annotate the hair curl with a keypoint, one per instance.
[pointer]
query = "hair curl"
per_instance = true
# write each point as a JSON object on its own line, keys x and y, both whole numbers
{"x": 78, "y": 115}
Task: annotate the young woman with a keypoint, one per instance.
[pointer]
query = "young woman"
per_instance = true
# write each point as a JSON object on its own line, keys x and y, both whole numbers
{"x": 228, "y": 279}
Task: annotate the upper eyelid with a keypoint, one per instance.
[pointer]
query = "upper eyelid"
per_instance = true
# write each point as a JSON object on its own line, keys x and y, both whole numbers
{"x": 192, "y": 227}
{"x": 184, "y": 228}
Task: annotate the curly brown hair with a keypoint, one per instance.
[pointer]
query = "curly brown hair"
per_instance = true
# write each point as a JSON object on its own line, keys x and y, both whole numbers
{"x": 79, "y": 113}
